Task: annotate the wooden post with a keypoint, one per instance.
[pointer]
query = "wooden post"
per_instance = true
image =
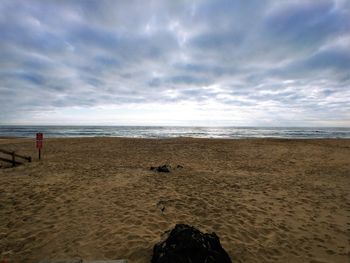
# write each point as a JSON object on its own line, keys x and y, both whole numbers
{"x": 13, "y": 159}
{"x": 39, "y": 143}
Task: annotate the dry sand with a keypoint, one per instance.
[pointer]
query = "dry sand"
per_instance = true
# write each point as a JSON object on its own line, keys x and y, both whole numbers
{"x": 95, "y": 198}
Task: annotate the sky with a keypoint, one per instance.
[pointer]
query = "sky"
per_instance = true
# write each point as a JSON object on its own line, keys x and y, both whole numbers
{"x": 201, "y": 63}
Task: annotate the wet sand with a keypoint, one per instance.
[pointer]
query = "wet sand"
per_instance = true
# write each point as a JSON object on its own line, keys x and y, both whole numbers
{"x": 268, "y": 200}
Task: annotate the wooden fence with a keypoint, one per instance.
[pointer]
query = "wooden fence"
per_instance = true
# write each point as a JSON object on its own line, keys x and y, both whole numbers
{"x": 13, "y": 156}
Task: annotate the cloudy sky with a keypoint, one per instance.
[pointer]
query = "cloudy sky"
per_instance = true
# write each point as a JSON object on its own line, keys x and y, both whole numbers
{"x": 250, "y": 63}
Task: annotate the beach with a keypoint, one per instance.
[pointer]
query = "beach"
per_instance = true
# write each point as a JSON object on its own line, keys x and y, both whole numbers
{"x": 269, "y": 200}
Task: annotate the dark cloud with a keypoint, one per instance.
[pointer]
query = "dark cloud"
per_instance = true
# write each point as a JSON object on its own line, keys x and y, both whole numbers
{"x": 270, "y": 61}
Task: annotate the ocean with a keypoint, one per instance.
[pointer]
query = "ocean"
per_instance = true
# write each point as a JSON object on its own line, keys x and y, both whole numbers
{"x": 171, "y": 132}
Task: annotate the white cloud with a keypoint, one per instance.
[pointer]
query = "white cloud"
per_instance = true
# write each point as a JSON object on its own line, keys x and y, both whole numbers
{"x": 175, "y": 62}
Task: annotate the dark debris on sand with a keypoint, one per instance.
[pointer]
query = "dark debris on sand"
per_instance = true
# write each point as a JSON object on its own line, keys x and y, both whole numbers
{"x": 165, "y": 168}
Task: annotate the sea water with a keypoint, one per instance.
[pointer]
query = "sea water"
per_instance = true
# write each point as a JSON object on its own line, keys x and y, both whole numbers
{"x": 171, "y": 132}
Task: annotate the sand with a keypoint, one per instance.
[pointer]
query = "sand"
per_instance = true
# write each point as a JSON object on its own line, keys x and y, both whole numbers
{"x": 269, "y": 200}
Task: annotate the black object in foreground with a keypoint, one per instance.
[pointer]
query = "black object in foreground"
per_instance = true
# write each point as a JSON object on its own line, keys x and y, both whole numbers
{"x": 185, "y": 244}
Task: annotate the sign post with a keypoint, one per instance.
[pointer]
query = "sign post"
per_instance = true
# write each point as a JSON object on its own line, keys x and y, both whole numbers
{"x": 39, "y": 143}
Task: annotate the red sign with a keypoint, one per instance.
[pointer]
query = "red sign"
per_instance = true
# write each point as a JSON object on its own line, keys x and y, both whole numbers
{"x": 39, "y": 140}
{"x": 39, "y": 136}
